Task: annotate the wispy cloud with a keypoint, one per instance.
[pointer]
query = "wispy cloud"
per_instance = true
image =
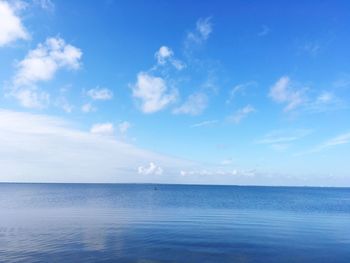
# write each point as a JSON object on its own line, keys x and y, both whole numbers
{"x": 335, "y": 141}
{"x": 88, "y": 107}
{"x": 342, "y": 82}
{"x": 105, "y": 129}
{"x": 63, "y": 103}
{"x": 123, "y": 128}
{"x": 331, "y": 143}
{"x": 11, "y": 27}
{"x": 203, "y": 30}
{"x": 338, "y": 140}
{"x": 325, "y": 101}
{"x": 239, "y": 89}
{"x": 45, "y": 4}
{"x": 264, "y": 31}
{"x": 240, "y": 114}
{"x": 281, "y": 139}
{"x": 283, "y": 92}
{"x": 204, "y": 123}
{"x": 194, "y": 105}
{"x": 71, "y": 155}
{"x": 166, "y": 55}
{"x": 311, "y": 48}
{"x": 100, "y": 93}
{"x": 201, "y": 33}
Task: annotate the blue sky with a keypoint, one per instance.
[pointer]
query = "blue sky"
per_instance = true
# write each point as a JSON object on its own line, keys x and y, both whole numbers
{"x": 225, "y": 92}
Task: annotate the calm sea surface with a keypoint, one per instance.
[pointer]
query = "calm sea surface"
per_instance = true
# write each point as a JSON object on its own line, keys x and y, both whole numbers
{"x": 173, "y": 223}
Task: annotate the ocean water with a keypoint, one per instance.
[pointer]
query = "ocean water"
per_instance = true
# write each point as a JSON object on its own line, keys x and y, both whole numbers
{"x": 173, "y": 223}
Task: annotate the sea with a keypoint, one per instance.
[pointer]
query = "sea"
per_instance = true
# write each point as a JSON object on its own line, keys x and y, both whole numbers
{"x": 173, "y": 223}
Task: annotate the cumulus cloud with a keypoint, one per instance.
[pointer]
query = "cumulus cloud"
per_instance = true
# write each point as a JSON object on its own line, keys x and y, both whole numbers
{"x": 283, "y": 92}
{"x": 11, "y": 27}
{"x": 152, "y": 92}
{"x": 42, "y": 63}
{"x": 100, "y": 94}
{"x": 194, "y": 105}
{"x": 31, "y": 98}
{"x": 39, "y": 65}
{"x": 165, "y": 55}
{"x": 105, "y": 129}
{"x": 41, "y": 148}
{"x": 150, "y": 169}
{"x": 242, "y": 113}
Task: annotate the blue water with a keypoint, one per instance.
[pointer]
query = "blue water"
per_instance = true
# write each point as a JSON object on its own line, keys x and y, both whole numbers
{"x": 173, "y": 223}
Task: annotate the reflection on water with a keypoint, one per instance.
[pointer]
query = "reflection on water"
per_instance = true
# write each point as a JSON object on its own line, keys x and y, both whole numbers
{"x": 136, "y": 223}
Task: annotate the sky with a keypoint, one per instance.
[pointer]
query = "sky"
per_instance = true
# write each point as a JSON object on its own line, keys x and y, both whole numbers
{"x": 200, "y": 92}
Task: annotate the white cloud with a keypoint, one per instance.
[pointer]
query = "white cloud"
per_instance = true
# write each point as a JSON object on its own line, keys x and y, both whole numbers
{"x": 217, "y": 172}
{"x": 150, "y": 169}
{"x": 40, "y": 148}
{"x": 88, "y": 107}
{"x": 241, "y": 114}
{"x": 100, "y": 94}
{"x": 41, "y": 64}
{"x": 324, "y": 102}
{"x": 280, "y": 140}
{"x": 335, "y": 141}
{"x": 204, "y": 123}
{"x": 165, "y": 54}
{"x": 203, "y": 30}
{"x": 282, "y": 92}
{"x": 283, "y": 136}
{"x": 31, "y": 98}
{"x": 11, "y": 28}
{"x": 105, "y": 129}
{"x": 195, "y": 105}
{"x": 338, "y": 140}
{"x": 152, "y": 92}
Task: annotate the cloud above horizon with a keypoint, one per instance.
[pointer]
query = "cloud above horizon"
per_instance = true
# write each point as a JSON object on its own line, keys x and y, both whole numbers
{"x": 49, "y": 149}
